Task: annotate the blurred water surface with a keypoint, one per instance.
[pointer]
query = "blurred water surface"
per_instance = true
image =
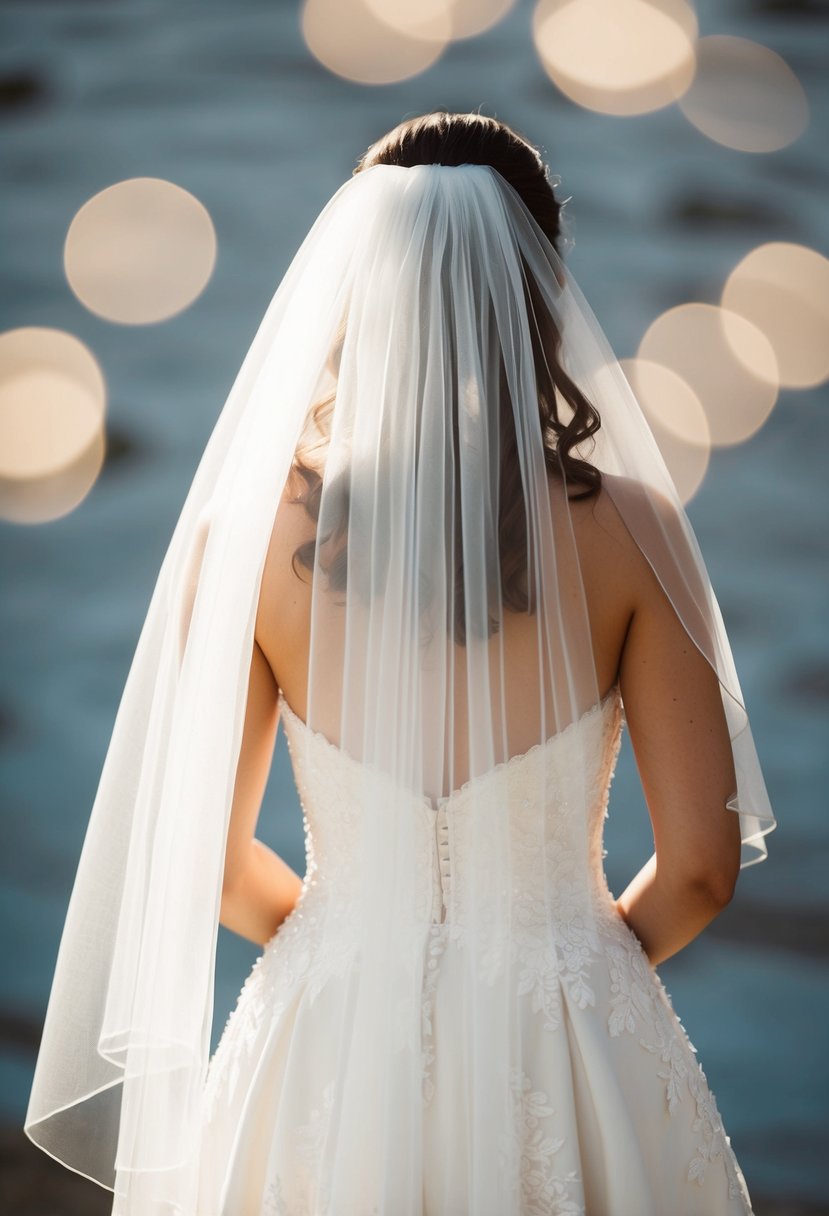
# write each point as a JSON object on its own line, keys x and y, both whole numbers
{"x": 223, "y": 98}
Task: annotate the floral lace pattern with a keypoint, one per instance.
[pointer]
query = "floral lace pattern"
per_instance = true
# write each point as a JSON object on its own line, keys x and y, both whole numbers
{"x": 548, "y": 954}
{"x": 640, "y": 1005}
{"x": 437, "y": 945}
{"x": 550, "y": 950}
{"x": 531, "y": 1154}
{"x": 274, "y": 1202}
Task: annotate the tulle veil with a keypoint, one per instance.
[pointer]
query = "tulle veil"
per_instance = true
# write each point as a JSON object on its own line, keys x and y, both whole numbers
{"x": 449, "y": 632}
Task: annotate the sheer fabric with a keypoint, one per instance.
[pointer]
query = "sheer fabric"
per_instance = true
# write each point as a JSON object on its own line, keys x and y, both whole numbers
{"x": 449, "y": 635}
{"x": 610, "y": 1112}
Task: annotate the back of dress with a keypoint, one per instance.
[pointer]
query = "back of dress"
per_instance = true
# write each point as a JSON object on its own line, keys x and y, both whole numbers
{"x": 607, "y": 1109}
{"x": 454, "y": 985}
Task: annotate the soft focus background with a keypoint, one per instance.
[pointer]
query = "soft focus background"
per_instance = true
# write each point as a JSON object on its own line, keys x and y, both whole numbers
{"x": 125, "y": 319}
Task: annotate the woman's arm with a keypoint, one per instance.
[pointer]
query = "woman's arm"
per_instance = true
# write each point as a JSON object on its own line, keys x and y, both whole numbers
{"x": 680, "y": 738}
{"x": 259, "y": 888}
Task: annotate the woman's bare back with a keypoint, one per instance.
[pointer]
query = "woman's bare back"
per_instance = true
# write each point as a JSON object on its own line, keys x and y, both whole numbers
{"x": 673, "y": 705}
{"x": 609, "y": 563}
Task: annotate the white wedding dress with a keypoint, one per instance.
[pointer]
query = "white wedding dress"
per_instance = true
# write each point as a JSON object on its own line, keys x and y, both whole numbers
{"x": 616, "y": 1116}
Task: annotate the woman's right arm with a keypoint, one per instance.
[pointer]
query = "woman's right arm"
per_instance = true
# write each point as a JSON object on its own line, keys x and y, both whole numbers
{"x": 678, "y": 729}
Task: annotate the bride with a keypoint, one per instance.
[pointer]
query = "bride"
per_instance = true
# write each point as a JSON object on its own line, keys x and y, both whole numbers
{"x": 432, "y": 534}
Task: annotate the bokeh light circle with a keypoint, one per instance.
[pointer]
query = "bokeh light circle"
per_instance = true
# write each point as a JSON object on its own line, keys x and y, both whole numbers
{"x": 728, "y": 362}
{"x": 429, "y": 19}
{"x": 783, "y": 289}
{"x": 353, "y": 42}
{"x": 617, "y": 56}
{"x": 745, "y": 96}
{"x": 140, "y": 251}
{"x": 52, "y": 417}
{"x": 471, "y": 17}
{"x": 466, "y": 18}
{"x": 679, "y": 423}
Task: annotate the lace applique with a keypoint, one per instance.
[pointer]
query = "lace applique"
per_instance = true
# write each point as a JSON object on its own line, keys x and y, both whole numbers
{"x": 309, "y": 1139}
{"x": 309, "y": 1142}
{"x": 310, "y": 1136}
{"x": 274, "y": 1202}
{"x": 236, "y": 1041}
{"x": 551, "y": 951}
{"x": 530, "y": 1156}
{"x": 285, "y": 960}
{"x": 549, "y": 948}
{"x": 640, "y": 1001}
{"x": 546, "y": 966}
{"x": 708, "y": 1123}
{"x": 436, "y": 947}
{"x": 673, "y": 1057}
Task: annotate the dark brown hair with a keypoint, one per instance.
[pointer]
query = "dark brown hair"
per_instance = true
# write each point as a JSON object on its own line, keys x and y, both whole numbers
{"x": 456, "y": 139}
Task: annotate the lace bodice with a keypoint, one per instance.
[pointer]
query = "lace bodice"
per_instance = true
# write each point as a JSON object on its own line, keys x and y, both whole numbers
{"x": 552, "y": 947}
{"x": 329, "y": 781}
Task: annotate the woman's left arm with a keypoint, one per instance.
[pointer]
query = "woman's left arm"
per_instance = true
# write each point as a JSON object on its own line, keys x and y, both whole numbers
{"x": 259, "y": 888}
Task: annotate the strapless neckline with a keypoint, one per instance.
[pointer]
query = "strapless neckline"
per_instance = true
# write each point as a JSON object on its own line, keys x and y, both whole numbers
{"x": 611, "y": 697}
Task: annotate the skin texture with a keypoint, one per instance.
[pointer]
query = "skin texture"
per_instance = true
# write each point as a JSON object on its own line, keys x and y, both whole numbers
{"x": 673, "y": 709}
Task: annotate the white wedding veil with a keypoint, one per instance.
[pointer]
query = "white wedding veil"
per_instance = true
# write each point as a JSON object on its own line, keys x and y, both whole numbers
{"x": 449, "y": 631}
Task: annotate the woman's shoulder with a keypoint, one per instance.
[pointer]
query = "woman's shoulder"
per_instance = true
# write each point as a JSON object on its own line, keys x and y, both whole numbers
{"x": 625, "y": 509}
{"x": 614, "y": 528}
{"x": 603, "y": 516}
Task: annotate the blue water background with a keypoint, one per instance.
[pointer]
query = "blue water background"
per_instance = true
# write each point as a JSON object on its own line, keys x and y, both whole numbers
{"x": 222, "y": 97}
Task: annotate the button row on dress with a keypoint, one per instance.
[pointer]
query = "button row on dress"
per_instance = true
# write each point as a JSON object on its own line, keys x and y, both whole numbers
{"x": 444, "y": 862}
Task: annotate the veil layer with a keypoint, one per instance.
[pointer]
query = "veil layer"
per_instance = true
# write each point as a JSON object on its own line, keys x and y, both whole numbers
{"x": 449, "y": 634}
